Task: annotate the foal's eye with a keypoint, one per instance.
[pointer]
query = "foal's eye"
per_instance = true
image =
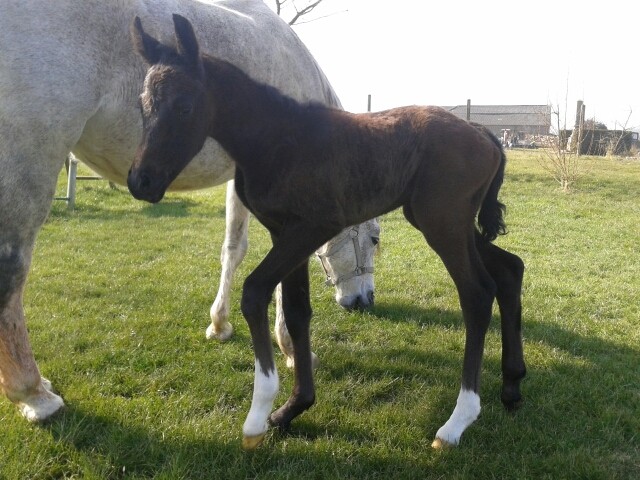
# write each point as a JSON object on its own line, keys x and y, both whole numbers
{"x": 184, "y": 110}
{"x": 375, "y": 240}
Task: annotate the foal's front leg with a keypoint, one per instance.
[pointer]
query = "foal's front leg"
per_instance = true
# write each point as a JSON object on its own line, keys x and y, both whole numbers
{"x": 297, "y": 316}
{"x": 291, "y": 249}
{"x": 233, "y": 252}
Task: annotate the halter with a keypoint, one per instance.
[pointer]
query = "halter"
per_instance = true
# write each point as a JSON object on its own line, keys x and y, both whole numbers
{"x": 337, "y": 244}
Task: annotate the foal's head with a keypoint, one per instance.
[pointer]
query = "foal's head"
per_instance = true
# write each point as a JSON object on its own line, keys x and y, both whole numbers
{"x": 175, "y": 110}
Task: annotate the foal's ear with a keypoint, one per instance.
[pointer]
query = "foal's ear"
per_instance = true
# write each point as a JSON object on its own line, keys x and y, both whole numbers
{"x": 186, "y": 40}
{"x": 147, "y": 47}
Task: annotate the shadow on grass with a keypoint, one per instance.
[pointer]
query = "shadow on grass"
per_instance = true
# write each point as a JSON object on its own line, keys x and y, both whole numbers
{"x": 410, "y": 313}
{"x": 115, "y": 450}
{"x": 168, "y": 208}
{"x": 549, "y": 392}
{"x": 604, "y": 410}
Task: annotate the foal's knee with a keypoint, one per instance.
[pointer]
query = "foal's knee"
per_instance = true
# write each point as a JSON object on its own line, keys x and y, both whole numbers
{"x": 255, "y": 298}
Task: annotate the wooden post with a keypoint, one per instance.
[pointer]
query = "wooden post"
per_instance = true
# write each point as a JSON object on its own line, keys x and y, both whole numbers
{"x": 468, "y": 110}
{"x": 369, "y": 103}
{"x": 575, "y": 136}
{"x": 581, "y": 111}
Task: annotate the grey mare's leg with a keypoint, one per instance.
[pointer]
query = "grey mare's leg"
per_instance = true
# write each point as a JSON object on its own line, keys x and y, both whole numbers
{"x": 22, "y": 212}
{"x": 282, "y": 334}
{"x": 234, "y": 249}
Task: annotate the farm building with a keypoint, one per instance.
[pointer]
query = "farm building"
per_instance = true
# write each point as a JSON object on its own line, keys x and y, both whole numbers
{"x": 521, "y": 120}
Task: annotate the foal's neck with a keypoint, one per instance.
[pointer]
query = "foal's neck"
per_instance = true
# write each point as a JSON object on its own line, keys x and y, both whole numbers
{"x": 248, "y": 117}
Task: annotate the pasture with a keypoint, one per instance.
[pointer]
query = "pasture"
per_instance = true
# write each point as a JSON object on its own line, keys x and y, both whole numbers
{"x": 118, "y": 302}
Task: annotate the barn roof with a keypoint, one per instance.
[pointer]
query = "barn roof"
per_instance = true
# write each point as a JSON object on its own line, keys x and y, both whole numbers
{"x": 505, "y": 115}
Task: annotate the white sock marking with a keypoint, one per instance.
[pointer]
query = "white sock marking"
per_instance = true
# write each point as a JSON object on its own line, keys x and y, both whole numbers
{"x": 466, "y": 411}
{"x": 265, "y": 389}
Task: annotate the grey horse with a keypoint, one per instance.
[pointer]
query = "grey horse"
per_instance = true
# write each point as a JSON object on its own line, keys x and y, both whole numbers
{"x": 69, "y": 82}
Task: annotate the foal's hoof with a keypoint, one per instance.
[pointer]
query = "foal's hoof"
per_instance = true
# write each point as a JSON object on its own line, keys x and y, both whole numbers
{"x": 223, "y": 333}
{"x": 511, "y": 399}
{"x": 251, "y": 443}
{"x": 439, "y": 444}
{"x": 512, "y": 405}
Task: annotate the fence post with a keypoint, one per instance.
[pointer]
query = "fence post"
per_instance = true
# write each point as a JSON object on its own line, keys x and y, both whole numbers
{"x": 369, "y": 103}
{"x": 468, "y": 110}
{"x": 581, "y": 113}
{"x": 71, "y": 183}
{"x": 575, "y": 136}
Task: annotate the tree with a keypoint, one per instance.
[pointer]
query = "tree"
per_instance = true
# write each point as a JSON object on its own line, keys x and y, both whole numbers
{"x": 617, "y": 141}
{"x": 293, "y": 8}
{"x": 562, "y": 160}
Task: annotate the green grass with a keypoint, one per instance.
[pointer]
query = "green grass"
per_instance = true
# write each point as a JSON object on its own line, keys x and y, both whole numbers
{"x": 117, "y": 304}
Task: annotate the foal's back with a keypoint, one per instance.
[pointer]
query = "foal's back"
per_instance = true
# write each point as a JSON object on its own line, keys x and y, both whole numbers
{"x": 367, "y": 164}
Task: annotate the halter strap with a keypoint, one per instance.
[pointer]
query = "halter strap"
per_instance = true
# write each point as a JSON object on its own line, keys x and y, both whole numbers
{"x": 360, "y": 269}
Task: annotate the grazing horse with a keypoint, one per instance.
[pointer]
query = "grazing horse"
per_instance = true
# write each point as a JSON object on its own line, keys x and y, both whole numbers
{"x": 306, "y": 172}
{"x": 69, "y": 81}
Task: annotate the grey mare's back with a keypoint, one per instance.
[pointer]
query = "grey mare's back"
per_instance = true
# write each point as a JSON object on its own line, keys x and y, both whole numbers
{"x": 79, "y": 89}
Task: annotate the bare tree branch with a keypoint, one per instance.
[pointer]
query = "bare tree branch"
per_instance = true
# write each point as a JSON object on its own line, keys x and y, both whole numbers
{"x": 282, "y": 5}
{"x": 279, "y": 5}
{"x": 299, "y": 13}
{"x": 320, "y": 18}
{"x": 616, "y": 143}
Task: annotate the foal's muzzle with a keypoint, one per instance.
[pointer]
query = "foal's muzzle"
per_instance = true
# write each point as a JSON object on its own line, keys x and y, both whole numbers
{"x": 144, "y": 186}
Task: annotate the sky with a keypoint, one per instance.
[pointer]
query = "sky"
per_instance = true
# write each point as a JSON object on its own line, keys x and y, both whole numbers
{"x": 493, "y": 52}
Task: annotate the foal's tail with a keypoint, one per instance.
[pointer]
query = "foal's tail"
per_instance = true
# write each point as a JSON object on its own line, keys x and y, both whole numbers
{"x": 491, "y": 216}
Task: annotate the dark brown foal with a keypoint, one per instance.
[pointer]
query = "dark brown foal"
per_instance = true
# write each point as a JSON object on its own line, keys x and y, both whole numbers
{"x": 307, "y": 172}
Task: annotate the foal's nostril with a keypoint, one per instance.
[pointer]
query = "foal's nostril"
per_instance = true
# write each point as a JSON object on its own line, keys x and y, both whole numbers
{"x": 145, "y": 181}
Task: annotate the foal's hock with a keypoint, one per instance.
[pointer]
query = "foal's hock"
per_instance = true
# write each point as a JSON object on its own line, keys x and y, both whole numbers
{"x": 306, "y": 172}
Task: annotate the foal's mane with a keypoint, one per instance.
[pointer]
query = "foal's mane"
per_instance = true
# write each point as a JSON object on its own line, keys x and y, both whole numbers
{"x": 260, "y": 113}
{"x": 229, "y": 76}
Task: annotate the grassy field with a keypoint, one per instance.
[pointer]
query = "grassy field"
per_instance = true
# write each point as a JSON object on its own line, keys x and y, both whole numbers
{"x": 118, "y": 302}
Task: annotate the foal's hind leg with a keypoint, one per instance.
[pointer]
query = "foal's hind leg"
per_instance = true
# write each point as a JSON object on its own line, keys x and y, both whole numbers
{"x": 507, "y": 271}
{"x": 450, "y": 234}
